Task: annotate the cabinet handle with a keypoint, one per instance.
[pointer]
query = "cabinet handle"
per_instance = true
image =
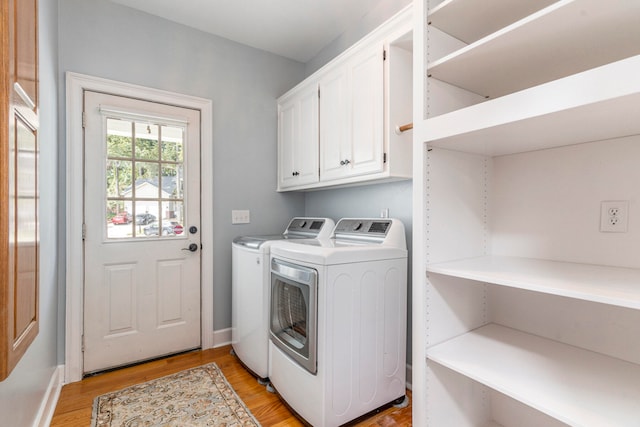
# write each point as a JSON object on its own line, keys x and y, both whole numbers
{"x": 295, "y": 173}
{"x": 344, "y": 162}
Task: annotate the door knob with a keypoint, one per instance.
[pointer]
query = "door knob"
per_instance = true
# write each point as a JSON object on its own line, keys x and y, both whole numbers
{"x": 192, "y": 247}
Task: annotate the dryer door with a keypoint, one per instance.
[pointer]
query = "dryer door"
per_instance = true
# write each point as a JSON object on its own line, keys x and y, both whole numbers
{"x": 293, "y": 314}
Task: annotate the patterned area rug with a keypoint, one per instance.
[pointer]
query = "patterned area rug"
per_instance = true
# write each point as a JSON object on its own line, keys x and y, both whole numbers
{"x": 195, "y": 397}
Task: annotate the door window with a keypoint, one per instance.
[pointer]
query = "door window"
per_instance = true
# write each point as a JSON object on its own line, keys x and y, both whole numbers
{"x": 144, "y": 179}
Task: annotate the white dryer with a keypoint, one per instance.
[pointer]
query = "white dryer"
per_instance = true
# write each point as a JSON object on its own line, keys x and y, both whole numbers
{"x": 337, "y": 345}
{"x": 250, "y": 290}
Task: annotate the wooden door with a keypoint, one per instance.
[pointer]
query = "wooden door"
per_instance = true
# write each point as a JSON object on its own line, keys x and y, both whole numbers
{"x": 19, "y": 226}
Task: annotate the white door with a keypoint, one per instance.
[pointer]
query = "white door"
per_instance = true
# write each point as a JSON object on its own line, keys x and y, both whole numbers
{"x": 141, "y": 230}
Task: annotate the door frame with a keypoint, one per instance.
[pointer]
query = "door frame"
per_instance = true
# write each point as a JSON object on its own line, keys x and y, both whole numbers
{"x": 76, "y": 84}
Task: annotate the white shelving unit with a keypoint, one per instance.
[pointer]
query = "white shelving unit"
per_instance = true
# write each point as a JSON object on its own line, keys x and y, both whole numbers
{"x": 608, "y": 285}
{"x": 597, "y": 391}
{"x": 567, "y": 115}
{"x": 528, "y": 314}
{"x": 470, "y": 21}
{"x": 562, "y": 39}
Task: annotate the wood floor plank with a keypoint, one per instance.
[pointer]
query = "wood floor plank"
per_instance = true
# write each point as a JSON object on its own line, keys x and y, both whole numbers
{"x": 76, "y": 399}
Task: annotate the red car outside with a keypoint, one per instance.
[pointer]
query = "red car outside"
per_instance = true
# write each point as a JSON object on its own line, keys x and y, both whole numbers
{"x": 121, "y": 218}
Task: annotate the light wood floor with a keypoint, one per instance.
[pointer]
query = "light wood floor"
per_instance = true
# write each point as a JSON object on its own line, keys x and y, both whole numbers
{"x": 76, "y": 399}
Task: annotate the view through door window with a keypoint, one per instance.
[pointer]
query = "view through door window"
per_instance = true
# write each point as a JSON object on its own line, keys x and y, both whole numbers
{"x": 144, "y": 179}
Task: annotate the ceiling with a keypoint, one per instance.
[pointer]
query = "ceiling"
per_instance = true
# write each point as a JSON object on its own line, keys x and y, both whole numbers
{"x": 295, "y": 29}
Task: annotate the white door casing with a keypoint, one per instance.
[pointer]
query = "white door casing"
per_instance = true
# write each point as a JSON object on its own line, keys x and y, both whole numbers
{"x": 76, "y": 85}
{"x": 141, "y": 289}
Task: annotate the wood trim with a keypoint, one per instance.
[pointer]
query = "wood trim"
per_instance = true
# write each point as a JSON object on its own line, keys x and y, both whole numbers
{"x": 4, "y": 180}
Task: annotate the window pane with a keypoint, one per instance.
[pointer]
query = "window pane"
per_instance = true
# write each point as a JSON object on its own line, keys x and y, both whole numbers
{"x": 147, "y": 180}
{"x": 172, "y": 143}
{"x": 119, "y": 178}
{"x": 172, "y": 178}
{"x": 119, "y": 138}
{"x": 119, "y": 221}
{"x": 146, "y": 213}
{"x": 172, "y": 215}
{"x": 147, "y": 141}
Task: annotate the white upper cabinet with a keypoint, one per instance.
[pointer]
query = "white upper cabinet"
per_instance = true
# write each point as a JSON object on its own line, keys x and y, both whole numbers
{"x": 364, "y": 95}
{"x": 352, "y": 124}
{"x": 298, "y": 137}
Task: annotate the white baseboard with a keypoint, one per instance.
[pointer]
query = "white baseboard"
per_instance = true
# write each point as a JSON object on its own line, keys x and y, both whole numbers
{"x": 50, "y": 399}
{"x": 221, "y": 337}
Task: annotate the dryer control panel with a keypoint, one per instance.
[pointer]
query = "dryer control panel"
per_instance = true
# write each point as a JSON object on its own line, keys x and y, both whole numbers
{"x": 374, "y": 230}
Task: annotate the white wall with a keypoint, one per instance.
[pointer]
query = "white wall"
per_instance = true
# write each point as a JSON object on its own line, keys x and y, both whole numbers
{"x": 24, "y": 390}
{"x": 104, "y": 39}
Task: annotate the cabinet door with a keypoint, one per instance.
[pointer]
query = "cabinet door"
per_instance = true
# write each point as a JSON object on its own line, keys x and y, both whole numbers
{"x": 352, "y": 117}
{"x": 298, "y": 138}
{"x": 366, "y": 92}
{"x": 334, "y": 124}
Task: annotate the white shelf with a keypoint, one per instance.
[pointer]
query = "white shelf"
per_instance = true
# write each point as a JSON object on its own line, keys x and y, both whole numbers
{"x": 594, "y": 105}
{"x": 563, "y": 39}
{"x": 608, "y": 285}
{"x": 470, "y": 20}
{"x": 575, "y": 386}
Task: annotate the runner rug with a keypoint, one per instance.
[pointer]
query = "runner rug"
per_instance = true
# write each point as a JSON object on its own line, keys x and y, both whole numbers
{"x": 198, "y": 396}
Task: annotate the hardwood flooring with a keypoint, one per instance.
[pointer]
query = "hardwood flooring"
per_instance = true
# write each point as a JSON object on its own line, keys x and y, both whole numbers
{"x": 76, "y": 399}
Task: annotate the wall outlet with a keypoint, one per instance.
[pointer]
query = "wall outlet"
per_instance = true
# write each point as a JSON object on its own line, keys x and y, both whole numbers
{"x": 240, "y": 217}
{"x": 614, "y": 216}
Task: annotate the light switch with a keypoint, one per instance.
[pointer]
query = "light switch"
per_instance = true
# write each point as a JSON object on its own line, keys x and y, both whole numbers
{"x": 240, "y": 217}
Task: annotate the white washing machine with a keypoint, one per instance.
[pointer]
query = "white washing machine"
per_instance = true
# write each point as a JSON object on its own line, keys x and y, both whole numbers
{"x": 337, "y": 345}
{"x": 250, "y": 290}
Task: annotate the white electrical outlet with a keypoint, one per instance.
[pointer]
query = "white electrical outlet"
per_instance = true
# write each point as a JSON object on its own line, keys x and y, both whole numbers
{"x": 614, "y": 216}
{"x": 240, "y": 217}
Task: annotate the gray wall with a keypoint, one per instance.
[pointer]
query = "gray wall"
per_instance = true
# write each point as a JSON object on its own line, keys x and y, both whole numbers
{"x": 23, "y": 391}
{"x": 104, "y": 39}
